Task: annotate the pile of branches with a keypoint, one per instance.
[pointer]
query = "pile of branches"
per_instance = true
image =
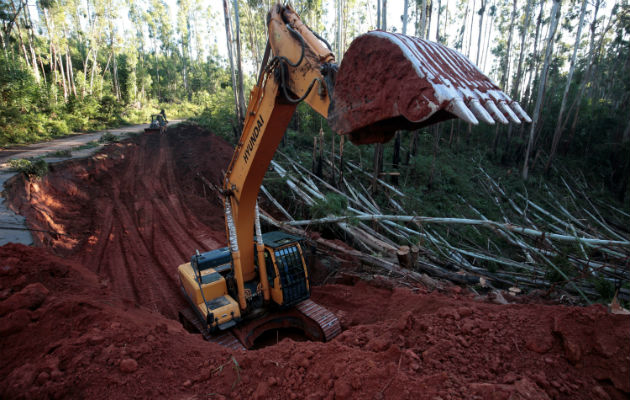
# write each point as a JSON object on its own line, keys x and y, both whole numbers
{"x": 554, "y": 245}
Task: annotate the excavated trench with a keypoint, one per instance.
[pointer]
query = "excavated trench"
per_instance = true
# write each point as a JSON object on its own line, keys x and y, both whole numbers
{"x": 111, "y": 231}
{"x": 132, "y": 213}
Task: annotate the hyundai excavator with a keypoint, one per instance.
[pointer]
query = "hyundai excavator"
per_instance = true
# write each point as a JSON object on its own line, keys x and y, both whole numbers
{"x": 386, "y": 82}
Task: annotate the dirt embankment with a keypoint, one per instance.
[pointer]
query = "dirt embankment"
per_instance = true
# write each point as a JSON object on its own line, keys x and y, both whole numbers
{"x": 89, "y": 315}
{"x": 132, "y": 213}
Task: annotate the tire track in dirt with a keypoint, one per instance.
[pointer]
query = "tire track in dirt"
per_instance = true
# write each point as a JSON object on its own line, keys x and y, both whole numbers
{"x": 133, "y": 212}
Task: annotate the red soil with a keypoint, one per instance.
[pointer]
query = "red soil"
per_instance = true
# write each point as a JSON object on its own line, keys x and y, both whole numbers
{"x": 133, "y": 213}
{"x": 94, "y": 320}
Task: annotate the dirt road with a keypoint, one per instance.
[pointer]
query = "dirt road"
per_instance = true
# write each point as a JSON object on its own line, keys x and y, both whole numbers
{"x": 66, "y": 143}
{"x": 12, "y": 226}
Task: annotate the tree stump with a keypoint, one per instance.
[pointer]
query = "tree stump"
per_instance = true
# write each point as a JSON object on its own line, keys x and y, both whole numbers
{"x": 404, "y": 257}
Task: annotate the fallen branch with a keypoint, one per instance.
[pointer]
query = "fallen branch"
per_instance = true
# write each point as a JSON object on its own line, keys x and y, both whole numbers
{"x": 465, "y": 221}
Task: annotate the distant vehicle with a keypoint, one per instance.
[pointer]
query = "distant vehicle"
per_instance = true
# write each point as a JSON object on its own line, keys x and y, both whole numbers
{"x": 158, "y": 124}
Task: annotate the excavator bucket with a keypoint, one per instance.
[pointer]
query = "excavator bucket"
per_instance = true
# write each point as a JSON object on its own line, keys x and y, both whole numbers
{"x": 388, "y": 82}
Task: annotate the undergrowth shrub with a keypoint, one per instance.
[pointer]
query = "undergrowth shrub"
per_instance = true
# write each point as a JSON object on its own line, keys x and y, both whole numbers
{"x": 108, "y": 137}
{"x": 60, "y": 154}
{"x": 332, "y": 204}
{"x": 31, "y": 168}
{"x": 88, "y": 145}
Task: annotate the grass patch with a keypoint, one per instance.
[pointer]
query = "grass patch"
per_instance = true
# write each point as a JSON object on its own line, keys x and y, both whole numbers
{"x": 29, "y": 167}
{"x": 89, "y": 145}
{"x": 60, "y": 154}
{"x": 108, "y": 138}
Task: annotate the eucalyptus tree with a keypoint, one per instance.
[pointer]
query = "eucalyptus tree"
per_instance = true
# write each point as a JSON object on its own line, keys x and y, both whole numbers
{"x": 559, "y": 125}
{"x": 541, "y": 85}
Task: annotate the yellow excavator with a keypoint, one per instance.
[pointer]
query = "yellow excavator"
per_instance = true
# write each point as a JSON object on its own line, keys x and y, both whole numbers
{"x": 387, "y": 82}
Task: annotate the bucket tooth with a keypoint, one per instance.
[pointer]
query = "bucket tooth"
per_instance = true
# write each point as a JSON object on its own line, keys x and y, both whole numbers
{"x": 494, "y": 111}
{"x": 508, "y": 111}
{"x": 520, "y": 112}
{"x": 480, "y": 112}
{"x": 458, "y": 108}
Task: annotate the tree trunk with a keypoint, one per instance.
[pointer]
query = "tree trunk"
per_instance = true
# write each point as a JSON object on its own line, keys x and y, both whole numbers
{"x": 378, "y": 165}
{"x": 436, "y": 149}
{"x": 626, "y": 135}
{"x": 4, "y": 47}
{"x": 228, "y": 36}
{"x": 341, "y": 143}
{"x": 62, "y": 72}
{"x": 472, "y": 20}
{"x": 384, "y": 16}
{"x": 423, "y": 19}
{"x": 541, "y": 86}
{"x": 241, "y": 95}
{"x": 559, "y": 128}
{"x": 94, "y": 65}
{"x": 338, "y": 33}
{"x": 586, "y": 78}
{"x": 70, "y": 73}
{"x": 487, "y": 46}
{"x": 411, "y": 151}
{"x": 533, "y": 67}
{"x": 115, "y": 75}
{"x": 405, "y": 17}
{"x": 429, "y": 18}
{"x": 482, "y": 10}
{"x": 521, "y": 56}
{"x": 506, "y": 69}
{"x": 437, "y": 22}
{"x": 19, "y": 34}
{"x": 396, "y": 157}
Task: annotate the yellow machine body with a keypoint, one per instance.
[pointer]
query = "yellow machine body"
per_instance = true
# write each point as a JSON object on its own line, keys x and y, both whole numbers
{"x": 207, "y": 292}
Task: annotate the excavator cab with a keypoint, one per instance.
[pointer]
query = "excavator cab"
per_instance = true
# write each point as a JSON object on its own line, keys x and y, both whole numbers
{"x": 286, "y": 269}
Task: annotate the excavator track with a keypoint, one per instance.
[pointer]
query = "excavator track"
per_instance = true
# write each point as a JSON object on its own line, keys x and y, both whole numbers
{"x": 227, "y": 339}
{"x": 327, "y": 321}
{"x": 191, "y": 322}
{"x": 317, "y": 323}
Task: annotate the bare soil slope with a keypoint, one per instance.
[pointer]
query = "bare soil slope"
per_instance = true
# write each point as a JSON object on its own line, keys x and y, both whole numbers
{"x": 91, "y": 312}
{"x": 132, "y": 213}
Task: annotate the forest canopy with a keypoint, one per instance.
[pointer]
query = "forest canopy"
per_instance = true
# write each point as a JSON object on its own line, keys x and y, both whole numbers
{"x": 76, "y": 65}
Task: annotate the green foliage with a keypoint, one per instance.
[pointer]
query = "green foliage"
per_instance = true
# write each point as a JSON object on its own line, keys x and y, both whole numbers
{"x": 60, "y": 154}
{"x": 88, "y": 145}
{"x": 333, "y": 204}
{"x": 32, "y": 168}
{"x": 563, "y": 267}
{"x": 605, "y": 289}
{"x": 218, "y": 116}
{"x": 108, "y": 138}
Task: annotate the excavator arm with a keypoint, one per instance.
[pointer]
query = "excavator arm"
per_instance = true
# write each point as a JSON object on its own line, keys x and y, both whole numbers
{"x": 293, "y": 74}
{"x": 386, "y": 82}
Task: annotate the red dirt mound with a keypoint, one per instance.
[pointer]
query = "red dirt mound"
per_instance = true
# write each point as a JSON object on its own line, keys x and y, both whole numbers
{"x": 96, "y": 322}
{"x": 63, "y": 335}
{"x": 132, "y": 213}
